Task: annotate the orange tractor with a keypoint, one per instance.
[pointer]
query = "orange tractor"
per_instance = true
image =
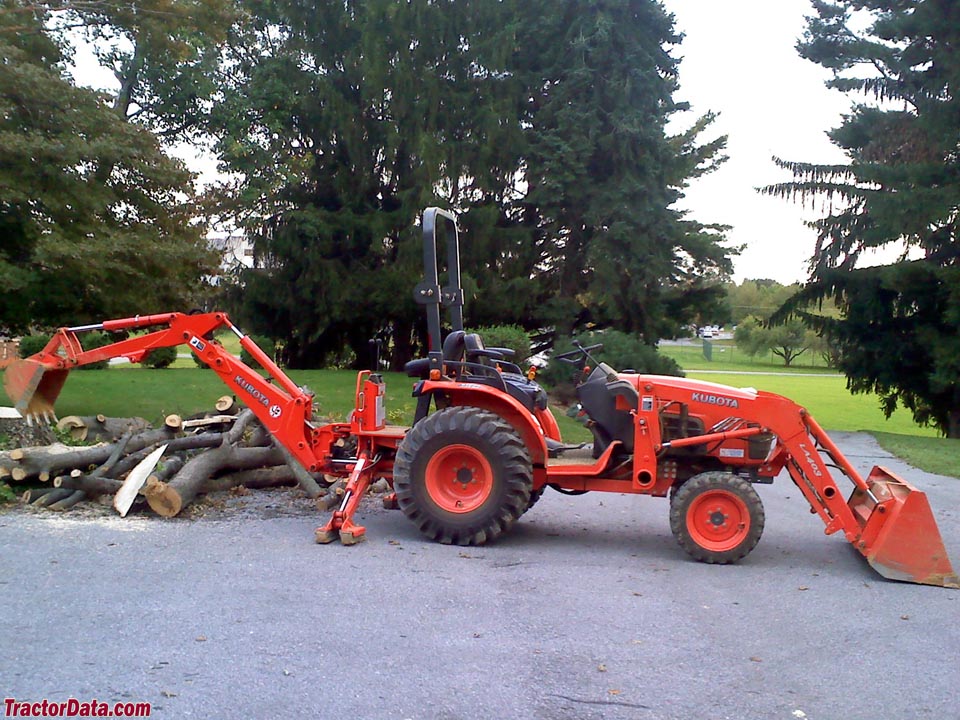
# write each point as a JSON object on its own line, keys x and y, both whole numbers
{"x": 484, "y": 445}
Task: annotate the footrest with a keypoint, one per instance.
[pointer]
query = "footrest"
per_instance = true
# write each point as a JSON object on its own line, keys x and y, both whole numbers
{"x": 556, "y": 448}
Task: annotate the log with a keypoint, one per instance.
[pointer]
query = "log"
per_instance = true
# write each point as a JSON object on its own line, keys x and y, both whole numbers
{"x": 169, "y": 498}
{"x": 99, "y": 428}
{"x": 91, "y": 484}
{"x": 189, "y": 442}
{"x": 304, "y": 479}
{"x": 33, "y": 493}
{"x": 260, "y": 478}
{"x": 96, "y": 482}
{"x": 68, "y": 502}
{"x": 51, "y": 497}
{"x": 57, "y": 458}
{"x": 167, "y": 468}
{"x": 333, "y": 497}
{"x": 227, "y": 405}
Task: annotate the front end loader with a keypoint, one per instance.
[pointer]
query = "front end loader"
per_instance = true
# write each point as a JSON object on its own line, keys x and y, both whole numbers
{"x": 484, "y": 445}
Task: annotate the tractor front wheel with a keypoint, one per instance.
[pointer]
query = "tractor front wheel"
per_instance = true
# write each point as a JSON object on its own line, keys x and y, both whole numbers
{"x": 716, "y": 517}
{"x": 463, "y": 475}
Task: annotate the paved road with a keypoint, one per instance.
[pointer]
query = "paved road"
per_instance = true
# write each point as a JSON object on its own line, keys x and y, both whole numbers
{"x": 588, "y": 610}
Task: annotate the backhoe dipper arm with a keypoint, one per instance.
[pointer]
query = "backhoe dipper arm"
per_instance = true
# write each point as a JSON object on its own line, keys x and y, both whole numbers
{"x": 284, "y": 408}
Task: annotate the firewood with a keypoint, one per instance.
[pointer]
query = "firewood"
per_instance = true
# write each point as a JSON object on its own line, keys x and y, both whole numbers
{"x": 57, "y": 458}
{"x": 90, "y": 484}
{"x": 332, "y": 497}
{"x": 168, "y": 499}
{"x": 92, "y": 428}
{"x": 51, "y": 497}
{"x": 124, "y": 497}
{"x": 189, "y": 442}
{"x": 68, "y": 502}
{"x": 254, "y": 479}
{"x": 167, "y": 469}
{"x": 304, "y": 479}
{"x": 227, "y": 405}
{"x": 33, "y": 493}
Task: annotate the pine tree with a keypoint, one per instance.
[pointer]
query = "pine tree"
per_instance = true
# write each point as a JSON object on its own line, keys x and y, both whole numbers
{"x": 604, "y": 175}
{"x": 899, "y": 333}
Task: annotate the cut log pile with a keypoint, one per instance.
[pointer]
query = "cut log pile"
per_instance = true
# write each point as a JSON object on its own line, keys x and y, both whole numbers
{"x": 161, "y": 469}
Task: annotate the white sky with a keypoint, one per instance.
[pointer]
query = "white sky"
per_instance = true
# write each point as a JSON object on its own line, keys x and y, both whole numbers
{"x": 739, "y": 60}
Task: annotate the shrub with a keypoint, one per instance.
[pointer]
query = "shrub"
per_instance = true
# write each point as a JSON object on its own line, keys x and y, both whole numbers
{"x": 160, "y": 358}
{"x": 507, "y": 336}
{"x": 32, "y": 344}
{"x": 92, "y": 341}
{"x": 264, "y": 343}
{"x": 621, "y": 351}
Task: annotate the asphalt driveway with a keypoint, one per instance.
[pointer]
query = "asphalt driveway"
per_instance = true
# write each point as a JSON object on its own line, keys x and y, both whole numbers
{"x": 589, "y": 609}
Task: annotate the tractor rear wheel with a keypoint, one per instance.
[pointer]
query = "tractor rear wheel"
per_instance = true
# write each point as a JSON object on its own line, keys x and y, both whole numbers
{"x": 717, "y": 517}
{"x": 463, "y": 475}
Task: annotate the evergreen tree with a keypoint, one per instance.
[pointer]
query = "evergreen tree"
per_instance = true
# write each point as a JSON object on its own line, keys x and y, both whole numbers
{"x": 603, "y": 174}
{"x": 78, "y": 243}
{"x": 541, "y": 123}
{"x": 345, "y": 121}
{"x": 899, "y": 333}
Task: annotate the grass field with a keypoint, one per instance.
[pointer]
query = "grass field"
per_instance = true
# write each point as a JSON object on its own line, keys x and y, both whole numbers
{"x": 727, "y": 356}
{"x": 186, "y": 390}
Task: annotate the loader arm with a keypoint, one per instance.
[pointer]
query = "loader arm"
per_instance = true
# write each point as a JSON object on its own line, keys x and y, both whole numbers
{"x": 885, "y": 518}
{"x": 284, "y": 408}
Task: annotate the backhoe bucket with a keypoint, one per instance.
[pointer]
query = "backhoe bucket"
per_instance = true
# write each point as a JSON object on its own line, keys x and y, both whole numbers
{"x": 900, "y": 537}
{"x": 33, "y": 387}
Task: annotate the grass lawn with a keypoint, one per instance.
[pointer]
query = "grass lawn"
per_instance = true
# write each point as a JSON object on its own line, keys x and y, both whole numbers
{"x": 152, "y": 394}
{"x": 727, "y": 356}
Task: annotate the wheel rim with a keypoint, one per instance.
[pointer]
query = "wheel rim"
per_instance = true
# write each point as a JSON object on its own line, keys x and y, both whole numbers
{"x": 459, "y": 478}
{"x": 718, "y": 520}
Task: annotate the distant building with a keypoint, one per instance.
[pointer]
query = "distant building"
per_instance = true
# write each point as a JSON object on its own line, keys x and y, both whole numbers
{"x": 235, "y": 248}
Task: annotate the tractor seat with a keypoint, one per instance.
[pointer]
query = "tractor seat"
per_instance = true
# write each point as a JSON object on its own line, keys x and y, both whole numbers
{"x": 598, "y": 396}
{"x": 453, "y": 349}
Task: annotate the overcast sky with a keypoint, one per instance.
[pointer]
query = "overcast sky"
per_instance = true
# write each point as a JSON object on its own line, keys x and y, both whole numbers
{"x": 739, "y": 61}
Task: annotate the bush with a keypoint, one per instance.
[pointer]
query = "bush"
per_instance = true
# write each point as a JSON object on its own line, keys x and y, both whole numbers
{"x": 92, "y": 341}
{"x": 160, "y": 358}
{"x": 621, "y": 351}
{"x": 32, "y": 344}
{"x": 507, "y": 336}
{"x": 264, "y": 343}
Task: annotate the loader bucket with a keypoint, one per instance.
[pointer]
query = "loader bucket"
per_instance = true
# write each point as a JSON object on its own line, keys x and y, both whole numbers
{"x": 33, "y": 387}
{"x": 900, "y": 537}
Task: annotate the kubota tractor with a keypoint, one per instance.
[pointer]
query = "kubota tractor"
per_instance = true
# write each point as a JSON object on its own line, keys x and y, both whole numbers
{"x": 484, "y": 445}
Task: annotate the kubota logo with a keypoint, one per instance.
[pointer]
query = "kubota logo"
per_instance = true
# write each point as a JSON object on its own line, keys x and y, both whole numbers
{"x": 813, "y": 463}
{"x": 254, "y": 393}
{"x": 715, "y": 400}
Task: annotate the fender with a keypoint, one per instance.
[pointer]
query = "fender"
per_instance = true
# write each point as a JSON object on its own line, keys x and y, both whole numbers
{"x": 496, "y": 401}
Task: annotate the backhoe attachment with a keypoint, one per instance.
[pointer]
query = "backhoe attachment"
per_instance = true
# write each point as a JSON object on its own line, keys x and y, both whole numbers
{"x": 33, "y": 387}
